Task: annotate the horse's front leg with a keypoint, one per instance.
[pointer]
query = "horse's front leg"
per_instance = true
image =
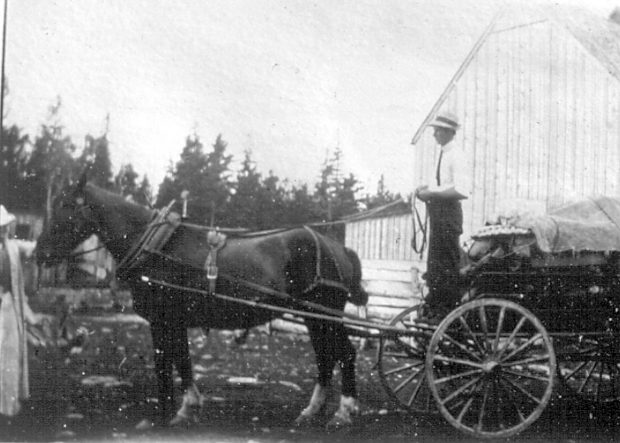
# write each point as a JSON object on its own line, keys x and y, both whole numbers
{"x": 192, "y": 398}
{"x": 163, "y": 370}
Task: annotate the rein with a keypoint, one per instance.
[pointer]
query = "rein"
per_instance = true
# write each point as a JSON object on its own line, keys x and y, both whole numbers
{"x": 77, "y": 254}
{"x": 419, "y": 228}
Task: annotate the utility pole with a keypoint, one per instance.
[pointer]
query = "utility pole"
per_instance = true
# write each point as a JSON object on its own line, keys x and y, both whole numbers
{"x": 2, "y": 81}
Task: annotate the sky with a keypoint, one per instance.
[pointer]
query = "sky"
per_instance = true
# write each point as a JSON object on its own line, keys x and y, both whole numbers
{"x": 289, "y": 80}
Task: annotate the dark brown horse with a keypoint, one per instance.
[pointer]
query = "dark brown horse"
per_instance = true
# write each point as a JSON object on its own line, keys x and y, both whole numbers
{"x": 280, "y": 267}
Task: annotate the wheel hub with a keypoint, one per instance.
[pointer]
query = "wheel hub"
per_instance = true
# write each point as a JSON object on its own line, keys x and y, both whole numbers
{"x": 490, "y": 366}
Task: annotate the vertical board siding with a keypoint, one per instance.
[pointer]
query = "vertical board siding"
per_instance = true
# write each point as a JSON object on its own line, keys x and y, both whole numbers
{"x": 389, "y": 239}
{"x": 540, "y": 121}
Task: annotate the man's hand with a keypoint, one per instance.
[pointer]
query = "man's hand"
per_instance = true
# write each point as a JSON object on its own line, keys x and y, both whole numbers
{"x": 422, "y": 193}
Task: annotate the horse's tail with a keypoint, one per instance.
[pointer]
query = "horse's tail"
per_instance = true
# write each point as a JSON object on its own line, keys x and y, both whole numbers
{"x": 359, "y": 296}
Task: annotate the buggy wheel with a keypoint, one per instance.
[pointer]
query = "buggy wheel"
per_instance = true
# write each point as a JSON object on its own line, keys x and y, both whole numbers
{"x": 491, "y": 368}
{"x": 589, "y": 368}
{"x": 400, "y": 361}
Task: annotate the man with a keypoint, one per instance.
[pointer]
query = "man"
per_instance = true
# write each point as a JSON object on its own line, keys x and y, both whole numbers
{"x": 443, "y": 202}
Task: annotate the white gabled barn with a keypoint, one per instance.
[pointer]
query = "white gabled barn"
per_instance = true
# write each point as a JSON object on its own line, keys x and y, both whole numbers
{"x": 538, "y": 99}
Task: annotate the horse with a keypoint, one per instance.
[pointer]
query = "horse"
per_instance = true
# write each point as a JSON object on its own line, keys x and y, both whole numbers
{"x": 169, "y": 288}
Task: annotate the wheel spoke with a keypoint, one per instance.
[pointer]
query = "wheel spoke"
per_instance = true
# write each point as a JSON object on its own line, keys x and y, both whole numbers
{"x": 589, "y": 373}
{"x": 483, "y": 323}
{"x": 460, "y": 390}
{"x": 416, "y": 390}
{"x": 575, "y": 371}
{"x": 471, "y": 334}
{"x": 513, "y": 334}
{"x": 405, "y": 382}
{"x": 600, "y": 381}
{"x": 526, "y": 361}
{"x": 458, "y": 361}
{"x": 465, "y": 409}
{"x": 522, "y": 347}
{"x": 525, "y": 375}
{"x": 485, "y": 398}
{"x": 508, "y": 391}
{"x": 462, "y": 347}
{"x": 522, "y": 390}
{"x": 404, "y": 368}
{"x": 457, "y": 376}
{"x": 498, "y": 330}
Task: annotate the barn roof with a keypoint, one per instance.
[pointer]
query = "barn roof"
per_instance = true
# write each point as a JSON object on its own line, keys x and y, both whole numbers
{"x": 398, "y": 207}
{"x": 599, "y": 36}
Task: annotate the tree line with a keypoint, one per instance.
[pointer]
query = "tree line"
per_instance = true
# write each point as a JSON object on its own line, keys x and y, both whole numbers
{"x": 33, "y": 170}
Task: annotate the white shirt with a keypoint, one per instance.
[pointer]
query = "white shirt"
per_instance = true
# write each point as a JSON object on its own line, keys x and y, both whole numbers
{"x": 455, "y": 171}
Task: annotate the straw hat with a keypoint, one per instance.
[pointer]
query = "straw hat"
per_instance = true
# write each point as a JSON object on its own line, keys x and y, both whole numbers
{"x": 5, "y": 216}
{"x": 446, "y": 120}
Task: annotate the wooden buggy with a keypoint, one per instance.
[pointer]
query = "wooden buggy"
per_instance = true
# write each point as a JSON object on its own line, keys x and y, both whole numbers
{"x": 540, "y": 310}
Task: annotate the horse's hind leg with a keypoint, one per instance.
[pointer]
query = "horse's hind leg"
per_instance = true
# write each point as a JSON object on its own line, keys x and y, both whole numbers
{"x": 331, "y": 344}
{"x": 345, "y": 354}
{"x": 320, "y": 337}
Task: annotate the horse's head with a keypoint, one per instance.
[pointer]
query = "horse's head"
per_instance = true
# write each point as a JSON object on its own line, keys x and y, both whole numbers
{"x": 72, "y": 221}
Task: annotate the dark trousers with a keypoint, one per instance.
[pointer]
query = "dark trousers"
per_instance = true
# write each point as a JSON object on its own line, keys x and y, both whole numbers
{"x": 444, "y": 254}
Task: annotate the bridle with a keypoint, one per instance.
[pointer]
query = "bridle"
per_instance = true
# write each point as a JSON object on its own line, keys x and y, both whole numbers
{"x": 85, "y": 211}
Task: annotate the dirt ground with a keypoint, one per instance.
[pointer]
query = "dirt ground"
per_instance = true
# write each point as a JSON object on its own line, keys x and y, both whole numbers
{"x": 101, "y": 390}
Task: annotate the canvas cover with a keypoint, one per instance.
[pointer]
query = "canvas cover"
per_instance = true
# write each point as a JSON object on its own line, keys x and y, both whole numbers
{"x": 588, "y": 225}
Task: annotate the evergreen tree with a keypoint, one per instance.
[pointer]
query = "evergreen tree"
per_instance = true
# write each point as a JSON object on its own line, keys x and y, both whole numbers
{"x": 51, "y": 165}
{"x": 382, "y": 197}
{"x": 205, "y": 176}
{"x": 144, "y": 193}
{"x": 335, "y": 196}
{"x": 126, "y": 181}
{"x": 301, "y": 207}
{"x": 96, "y": 157}
{"x": 243, "y": 202}
{"x": 13, "y": 171}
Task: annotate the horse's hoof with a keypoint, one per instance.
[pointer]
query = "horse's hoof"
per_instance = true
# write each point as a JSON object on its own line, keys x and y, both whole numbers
{"x": 337, "y": 424}
{"x": 145, "y": 425}
{"x": 304, "y": 420}
{"x": 179, "y": 420}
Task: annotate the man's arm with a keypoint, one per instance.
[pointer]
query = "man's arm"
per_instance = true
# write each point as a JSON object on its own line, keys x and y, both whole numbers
{"x": 448, "y": 193}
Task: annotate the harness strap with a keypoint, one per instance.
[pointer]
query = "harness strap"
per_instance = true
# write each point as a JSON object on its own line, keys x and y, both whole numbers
{"x": 153, "y": 237}
{"x": 318, "y": 279}
{"x": 216, "y": 241}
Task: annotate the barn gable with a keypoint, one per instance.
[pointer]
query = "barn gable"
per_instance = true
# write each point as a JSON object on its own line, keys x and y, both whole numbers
{"x": 539, "y": 101}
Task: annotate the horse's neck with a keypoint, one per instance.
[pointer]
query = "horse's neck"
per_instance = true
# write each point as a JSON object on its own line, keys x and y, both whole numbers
{"x": 121, "y": 222}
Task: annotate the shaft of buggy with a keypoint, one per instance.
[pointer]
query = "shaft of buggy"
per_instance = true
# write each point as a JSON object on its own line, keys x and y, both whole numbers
{"x": 329, "y": 315}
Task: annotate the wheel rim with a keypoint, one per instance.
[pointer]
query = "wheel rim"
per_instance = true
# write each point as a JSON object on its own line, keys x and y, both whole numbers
{"x": 491, "y": 368}
{"x": 401, "y": 362}
{"x": 588, "y": 368}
